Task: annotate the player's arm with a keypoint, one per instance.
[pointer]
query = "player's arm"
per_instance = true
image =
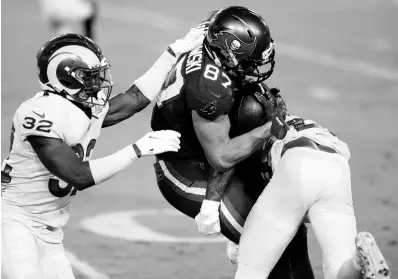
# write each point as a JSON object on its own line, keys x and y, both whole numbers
{"x": 125, "y": 105}
{"x": 145, "y": 89}
{"x": 61, "y": 160}
{"x": 221, "y": 151}
{"x": 141, "y": 93}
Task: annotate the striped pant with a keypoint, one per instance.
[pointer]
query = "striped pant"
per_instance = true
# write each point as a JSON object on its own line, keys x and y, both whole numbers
{"x": 183, "y": 184}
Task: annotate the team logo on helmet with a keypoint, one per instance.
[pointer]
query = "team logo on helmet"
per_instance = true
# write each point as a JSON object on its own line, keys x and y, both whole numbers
{"x": 235, "y": 45}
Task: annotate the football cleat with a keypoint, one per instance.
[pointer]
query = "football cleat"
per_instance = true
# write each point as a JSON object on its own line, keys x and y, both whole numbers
{"x": 370, "y": 258}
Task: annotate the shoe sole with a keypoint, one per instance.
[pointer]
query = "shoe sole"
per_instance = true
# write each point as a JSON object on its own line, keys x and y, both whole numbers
{"x": 373, "y": 264}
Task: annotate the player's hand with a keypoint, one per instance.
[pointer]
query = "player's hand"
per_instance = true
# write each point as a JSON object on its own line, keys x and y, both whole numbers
{"x": 208, "y": 221}
{"x": 157, "y": 142}
{"x": 232, "y": 252}
{"x": 280, "y": 103}
{"x": 191, "y": 40}
{"x": 275, "y": 110}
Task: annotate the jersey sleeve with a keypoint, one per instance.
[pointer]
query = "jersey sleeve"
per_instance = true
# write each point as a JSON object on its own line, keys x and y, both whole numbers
{"x": 210, "y": 99}
{"x": 38, "y": 119}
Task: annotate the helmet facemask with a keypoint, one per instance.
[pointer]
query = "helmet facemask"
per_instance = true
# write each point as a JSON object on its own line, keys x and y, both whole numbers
{"x": 239, "y": 40}
{"x": 73, "y": 66}
{"x": 75, "y": 80}
{"x": 246, "y": 70}
{"x": 96, "y": 84}
{"x": 256, "y": 71}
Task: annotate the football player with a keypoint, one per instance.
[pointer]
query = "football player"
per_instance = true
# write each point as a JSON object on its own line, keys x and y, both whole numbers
{"x": 195, "y": 100}
{"x": 311, "y": 180}
{"x": 70, "y": 16}
{"x": 53, "y": 137}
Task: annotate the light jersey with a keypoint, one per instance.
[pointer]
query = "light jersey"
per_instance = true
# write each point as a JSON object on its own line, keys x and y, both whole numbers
{"x": 27, "y": 186}
{"x": 300, "y": 127}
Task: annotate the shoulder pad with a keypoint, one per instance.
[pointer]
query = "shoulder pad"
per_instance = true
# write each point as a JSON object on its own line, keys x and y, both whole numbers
{"x": 209, "y": 90}
{"x": 41, "y": 116}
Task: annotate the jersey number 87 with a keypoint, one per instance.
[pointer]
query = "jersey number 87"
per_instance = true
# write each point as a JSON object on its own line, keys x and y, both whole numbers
{"x": 212, "y": 72}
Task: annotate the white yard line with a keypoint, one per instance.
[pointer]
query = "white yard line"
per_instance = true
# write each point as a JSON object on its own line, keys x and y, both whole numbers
{"x": 124, "y": 225}
{"x": 171, "y": 24}
{"x": 84, "y": 268}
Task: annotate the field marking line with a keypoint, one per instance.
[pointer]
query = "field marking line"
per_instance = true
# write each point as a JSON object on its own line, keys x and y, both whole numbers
{"x": 124, "y": 225}
{"x": 173, "y": 24}
{"x": 84, "y": 268}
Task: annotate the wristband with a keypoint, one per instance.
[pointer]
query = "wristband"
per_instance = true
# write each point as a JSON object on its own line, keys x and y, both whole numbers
{"x": 106, "y": 167}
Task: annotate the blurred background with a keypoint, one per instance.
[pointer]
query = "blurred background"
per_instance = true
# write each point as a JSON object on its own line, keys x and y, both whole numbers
{"x": 336, "y": 63}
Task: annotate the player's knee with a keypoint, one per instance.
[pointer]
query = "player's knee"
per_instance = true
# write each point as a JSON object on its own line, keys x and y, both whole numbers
{"x": 340, "y": 266}
{"x": 331, "y": 270}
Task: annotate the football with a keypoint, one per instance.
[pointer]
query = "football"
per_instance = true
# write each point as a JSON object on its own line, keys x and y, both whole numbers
{"x": 246, "y": 115}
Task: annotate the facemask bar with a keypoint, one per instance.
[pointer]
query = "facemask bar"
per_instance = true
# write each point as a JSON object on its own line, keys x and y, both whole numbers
{"x": 256, "y": 71}
{"x": 96, "y": 85}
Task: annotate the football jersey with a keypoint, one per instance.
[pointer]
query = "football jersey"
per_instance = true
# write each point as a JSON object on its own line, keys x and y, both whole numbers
{"x": 300, "y": 127}
{"x": 194, "y": 83}
{"x": 25, "y": 182}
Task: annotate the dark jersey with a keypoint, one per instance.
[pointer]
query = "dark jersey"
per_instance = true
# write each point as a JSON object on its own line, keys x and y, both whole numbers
{"x": 194, "y": 83}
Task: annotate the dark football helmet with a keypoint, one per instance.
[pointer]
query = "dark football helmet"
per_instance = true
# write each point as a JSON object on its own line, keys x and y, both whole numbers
{"x": 74, "y": 67}
{"x": 239, "y": 40}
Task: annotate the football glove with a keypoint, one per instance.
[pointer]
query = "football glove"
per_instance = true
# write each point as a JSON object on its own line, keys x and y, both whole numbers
{"x": 275, "y": 110}
{"x": 157, "y": 142}
{"x": 208, "y": 221}
{"x": 191, "y": 40}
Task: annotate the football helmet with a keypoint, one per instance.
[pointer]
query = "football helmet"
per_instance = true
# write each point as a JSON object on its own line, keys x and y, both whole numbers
{"x": 240, "y": 41}
{"x": 74, "y": 67}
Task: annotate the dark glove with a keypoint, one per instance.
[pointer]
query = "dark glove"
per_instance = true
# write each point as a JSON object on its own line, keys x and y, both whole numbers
{"x": 280, "y": 103}
{"x": 275, "y": 109}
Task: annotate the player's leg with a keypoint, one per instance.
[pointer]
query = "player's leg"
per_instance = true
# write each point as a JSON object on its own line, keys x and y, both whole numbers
{"x": 332, "y": 218}
{"x": 249, "y": 172}
{"x": 54, "y": 263}
{"x": 66, "y": 16}
{"x": 89, "y": 22}
{"x": 19, "y": 251}
{"x": 184, "y": 186}
{"x": 237, "y": 202}
{"x": 276, "y": 216}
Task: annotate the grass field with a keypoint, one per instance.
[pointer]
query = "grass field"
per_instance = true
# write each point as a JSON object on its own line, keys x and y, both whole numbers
{"x": 337, "y": 63}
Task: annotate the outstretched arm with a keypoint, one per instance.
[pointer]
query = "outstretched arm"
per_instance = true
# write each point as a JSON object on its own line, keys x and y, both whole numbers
{"x": 125, "y": 105}
{"x": 61, "y": 160}
{"x": 141, "y": 93}
{"x": 145, "y": 89}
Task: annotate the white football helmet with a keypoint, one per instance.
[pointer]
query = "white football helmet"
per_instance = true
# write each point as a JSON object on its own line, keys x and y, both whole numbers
{"x": 74, "y": 67}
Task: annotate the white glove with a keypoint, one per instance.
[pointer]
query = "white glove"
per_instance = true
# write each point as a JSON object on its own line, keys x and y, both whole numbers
{"x": 232, "y": 252}
{"x": 207, "y": 220}
{"x": 157, "y": 142}
{"x": 193, "y": 39}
